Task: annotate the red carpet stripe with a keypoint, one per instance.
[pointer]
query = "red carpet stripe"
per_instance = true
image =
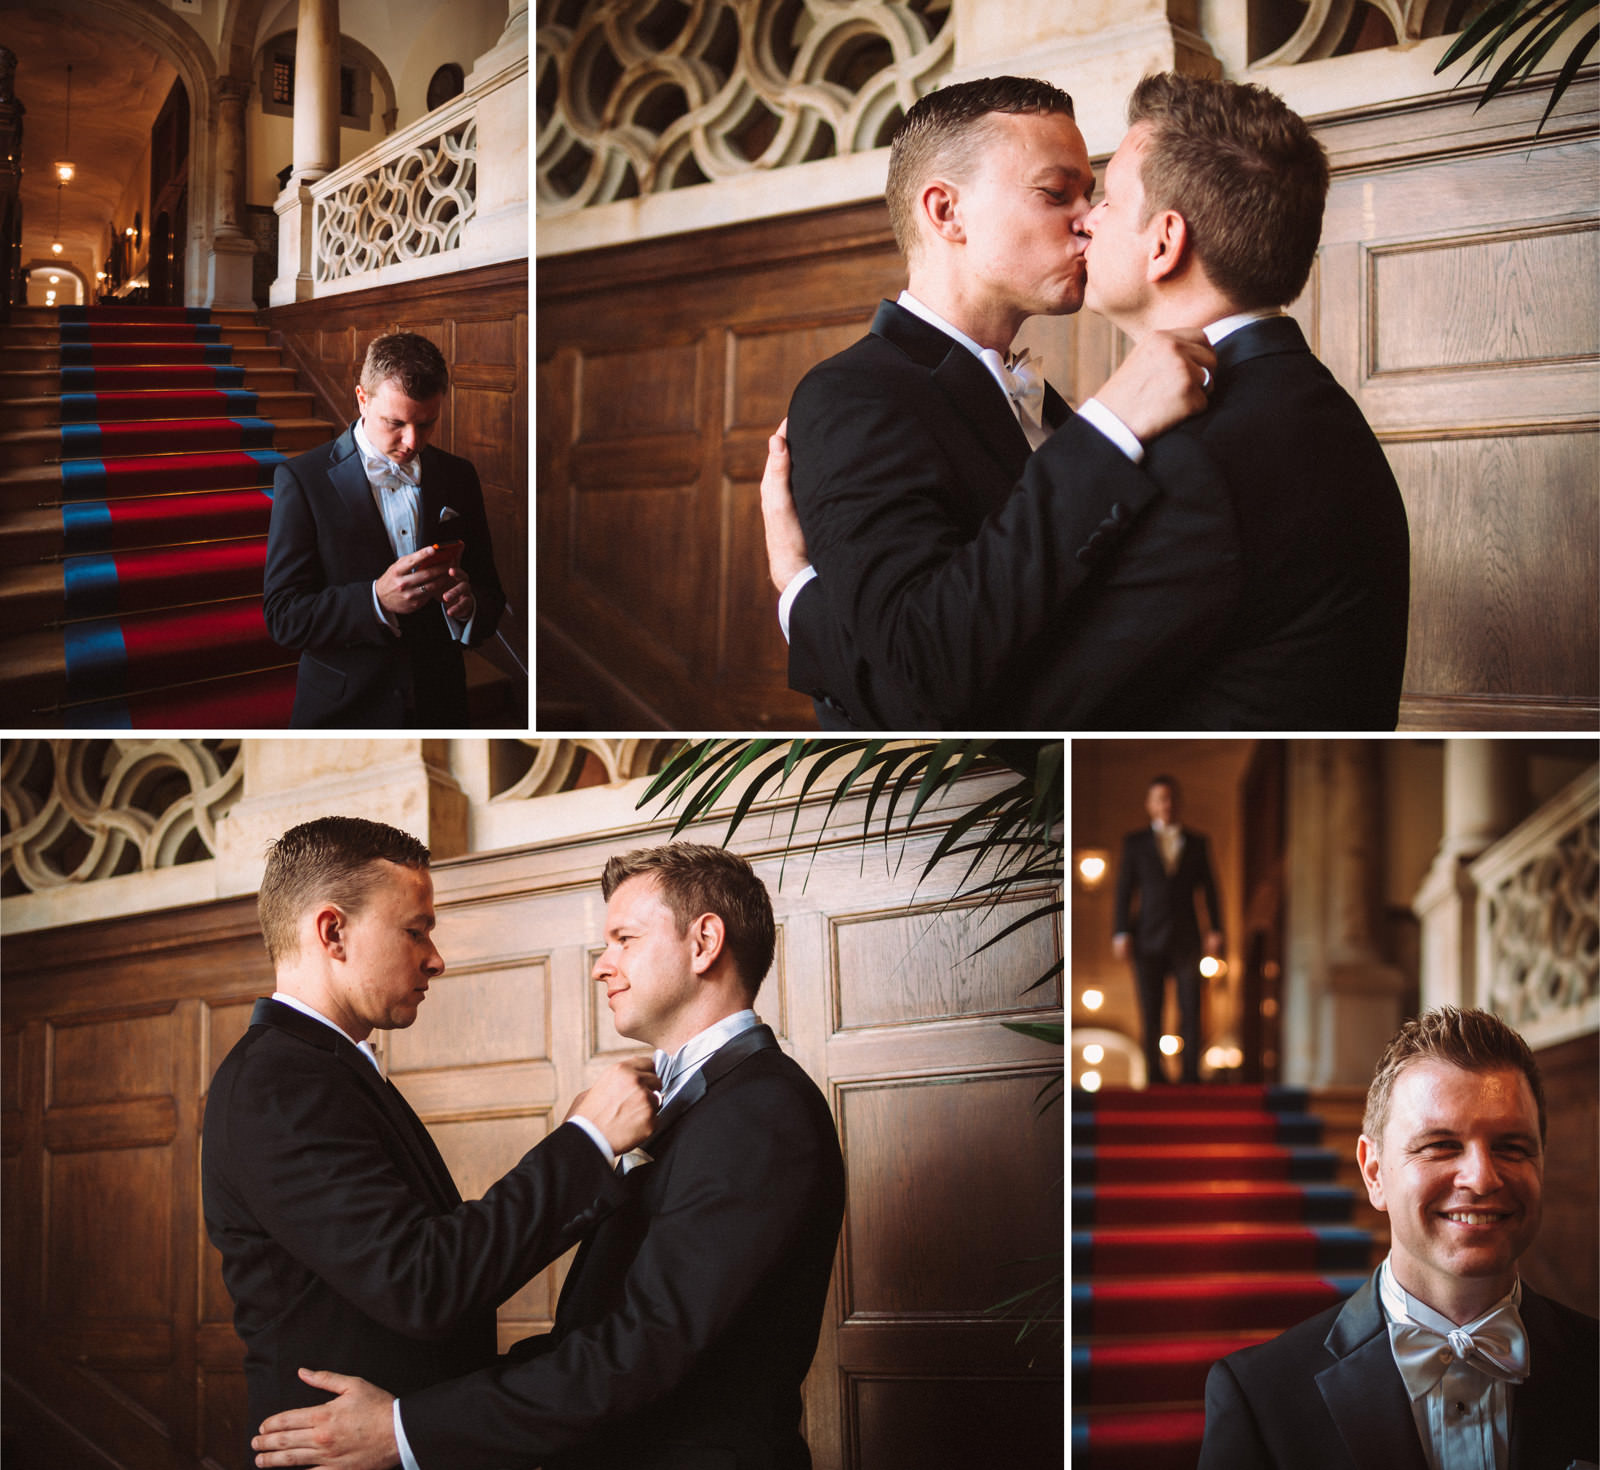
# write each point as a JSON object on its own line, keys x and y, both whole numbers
{"x": 1210, "y": 1200}
{"x": 111, "y": 354}
{"x": 137, "y": 581}
{"x": 165, "y": 375}
{"x": 95, "y": 479}
{"x": 1211, "y": 1302}
{"x": 101, "y": 333}
{"x": 1182, "y": 1097}
{"x": 156, "y": 403}
{"x": 1135, "y": 1250}
{"x": 110, "y": 657}
{"x": 1139, "y": 1163}
{"x": 157, "y": 520}
{"x": 1151, "y": 1370}
{"x": 1233, "y": 1126}
{"x": 138, "y": 312}
{"x": 164, "y": 436}
{"x": 256, "y": 701}
{"x": 1147, "y": 1440}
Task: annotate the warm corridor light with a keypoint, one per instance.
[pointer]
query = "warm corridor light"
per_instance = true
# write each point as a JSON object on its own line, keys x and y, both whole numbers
{"x": 1090, "y": 1082}
{"x": 1093, "y": 1000}
{"x": 64, "y": 171}
{"x": 1094, "y": 1053}
{"x": 1211, "y": 967}
{"x": 55, "y": 247}
{"x": 1171, "y": 1045}
{"x": 1092, "y": 869}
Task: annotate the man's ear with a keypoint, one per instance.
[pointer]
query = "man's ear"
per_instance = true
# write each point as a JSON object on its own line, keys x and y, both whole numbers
{"x": 708, "y": 938}
{"x": 1170, "y": 254}
{"x": 1367, "y": 1162}
{"x": 330, "y": 924}
{"x": 939, "y": 205}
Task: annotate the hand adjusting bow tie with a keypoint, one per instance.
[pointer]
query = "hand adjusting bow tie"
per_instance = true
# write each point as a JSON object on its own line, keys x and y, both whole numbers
{"x": 1497, "y": 1345}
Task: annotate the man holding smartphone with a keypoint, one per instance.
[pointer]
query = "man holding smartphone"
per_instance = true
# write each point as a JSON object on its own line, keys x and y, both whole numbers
{"x": 379, "y": 564}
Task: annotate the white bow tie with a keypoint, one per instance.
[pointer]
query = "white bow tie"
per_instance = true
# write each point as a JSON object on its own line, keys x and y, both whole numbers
{"x": 1497, "y": 1345}
{"x": 383, "y": 472}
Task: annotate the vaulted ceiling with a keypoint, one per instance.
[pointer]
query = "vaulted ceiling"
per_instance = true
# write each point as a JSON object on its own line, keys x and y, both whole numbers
{"x": 118, "y": 86}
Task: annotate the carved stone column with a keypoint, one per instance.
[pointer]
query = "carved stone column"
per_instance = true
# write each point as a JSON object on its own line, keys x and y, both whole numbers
{"x": 232, "y": 251}
{"x": 1341, "y": 998}
{"x": 1484, "y": 794}
{"x": 407, "y": 783}
{"x": 316, "y": 146}
{"x": 1095, "y": 49}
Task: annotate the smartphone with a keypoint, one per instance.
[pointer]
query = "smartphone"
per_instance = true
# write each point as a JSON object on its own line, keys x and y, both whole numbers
{"x": 441, "y": 554}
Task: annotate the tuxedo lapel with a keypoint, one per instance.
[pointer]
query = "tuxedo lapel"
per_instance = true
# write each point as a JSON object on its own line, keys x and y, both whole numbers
{"x": 1545, "y": 1428}
{"x": 1269, "y": 337}
{"x": 424, "y": 1152}
{"x": 963, "y": 381}
{"x": 716, "y": 1066}
{"x": 348, "y": 476}
{"x": 1363, "y": 1389}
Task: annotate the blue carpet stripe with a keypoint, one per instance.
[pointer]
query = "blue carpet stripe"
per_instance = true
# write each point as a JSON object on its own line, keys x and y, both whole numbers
{"x": 103, "y": 714}
{"x": 79, "y": 408}
{"x": 91, "y": 586}
{"x": 83, "y": 479}
{"x": 81, "y": 314}
{"x": 85, "y": 526}
{"x": 257, "y": 433}
{"x": 1080, "y": 1435}
{"x": 80, "y": 440}
{"x": 97, "y": 659}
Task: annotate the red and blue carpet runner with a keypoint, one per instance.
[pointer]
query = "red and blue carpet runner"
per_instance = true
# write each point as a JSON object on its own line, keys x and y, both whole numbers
{"x": 1203, "y": 1219}
{"x": 165, "y": 493}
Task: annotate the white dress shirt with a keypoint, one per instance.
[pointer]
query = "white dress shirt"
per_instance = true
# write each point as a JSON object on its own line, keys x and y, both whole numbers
{"x": 295, "y": 1003}
{"x": 1464, "y": 1420}
{"x": 397, "y": 492}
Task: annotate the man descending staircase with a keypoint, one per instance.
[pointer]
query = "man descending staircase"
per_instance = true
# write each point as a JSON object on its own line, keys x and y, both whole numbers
{"x": 137, "y": 448}
{"x": 1204, "y": 1219}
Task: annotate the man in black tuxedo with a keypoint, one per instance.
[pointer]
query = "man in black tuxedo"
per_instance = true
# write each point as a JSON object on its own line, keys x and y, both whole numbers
{"x": 1445, "y": 1357}
{"x": 353, "y": 579}
{"x": 344, "y": 1241}
{"x": 690, "y": 1316}
{"x": 1166, "y": 865}
{"x": 1247, "y": 570}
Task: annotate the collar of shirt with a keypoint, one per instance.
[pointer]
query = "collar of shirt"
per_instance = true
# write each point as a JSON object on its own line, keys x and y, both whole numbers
{"x": 1231, "y": 324}
{"x": 698, "y": 1049}
{"x": 373, "y": 459}
{"x": 296, "y": 1004}
{"x": 1464, "y": 1420}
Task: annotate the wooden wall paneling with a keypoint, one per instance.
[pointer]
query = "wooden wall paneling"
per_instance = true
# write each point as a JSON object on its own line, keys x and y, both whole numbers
{"x": 1564, "y": 1261}
{"x": 479, "y": 319}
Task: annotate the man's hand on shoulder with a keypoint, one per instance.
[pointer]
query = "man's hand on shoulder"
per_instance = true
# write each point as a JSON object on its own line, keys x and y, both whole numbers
{"x": 354, "y": 1431}
{"x": 1161, "y": 382}
{"x": 622, "y": 1103}
{"x": 407, "y": 585}
{"x": 786, "y": 542}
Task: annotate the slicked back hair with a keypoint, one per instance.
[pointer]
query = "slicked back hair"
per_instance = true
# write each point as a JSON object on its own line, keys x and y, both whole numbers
{"x": 695, "y": 880}
{"x": 943, "y": 134}
{"x": 331, "y": 860}
{"x": 410, "y": 361}
{"x": 1475, "y": 1041}
{"x": 1246, "y": 174}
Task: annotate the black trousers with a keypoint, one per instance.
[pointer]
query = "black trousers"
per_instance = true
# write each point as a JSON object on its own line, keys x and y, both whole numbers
{"x": 1151, "y": 969}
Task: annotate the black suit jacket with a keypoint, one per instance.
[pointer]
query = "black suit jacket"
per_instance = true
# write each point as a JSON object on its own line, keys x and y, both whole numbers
{"x": 690, "y": 1316}
{"x": 1165, "y": 921}
{"x": 344, "y": 1242}
{"x": 1326, "y": 1395}
{"x": 326, "y": 545}
{"x": 903, "y": 446}
{"x": 1266, "y": 586}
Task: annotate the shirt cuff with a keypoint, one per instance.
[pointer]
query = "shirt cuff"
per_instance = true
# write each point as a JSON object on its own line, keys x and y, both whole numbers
{"x": 599, "y": 1138}
{"x": 407, "y": 1459}
{"x": 385, "y": 617}
{"x": 461, "y": 632}
{"x": 786, "y": 602}
{"x": 1101, "y": 418}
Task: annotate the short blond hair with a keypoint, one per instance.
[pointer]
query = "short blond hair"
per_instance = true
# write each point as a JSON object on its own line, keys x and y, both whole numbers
{"x": 1475, "y": 1041}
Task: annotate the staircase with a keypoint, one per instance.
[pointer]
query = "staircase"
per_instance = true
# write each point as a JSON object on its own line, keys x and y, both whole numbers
{"x": 137, "y": 448}
{"x": 1204, "y": 1219}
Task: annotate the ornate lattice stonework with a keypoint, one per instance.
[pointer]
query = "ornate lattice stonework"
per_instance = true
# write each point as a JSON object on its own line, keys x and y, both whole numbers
{"x": 1291, "y": 31}
{"x": 407, "y": 207}
{"x": 81, "y": 810}
{"x": 561, "y": 765}
{"x": 641, "y": 96}
{"x": 1539, "y": 920}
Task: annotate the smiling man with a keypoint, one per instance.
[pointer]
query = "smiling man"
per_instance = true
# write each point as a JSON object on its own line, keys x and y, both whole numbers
{"x": 690, "y": 1316}
{"x": 1445, "y": 1359}
{"x": 379, "y": 565}
{"x": 344, "y": 1240}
